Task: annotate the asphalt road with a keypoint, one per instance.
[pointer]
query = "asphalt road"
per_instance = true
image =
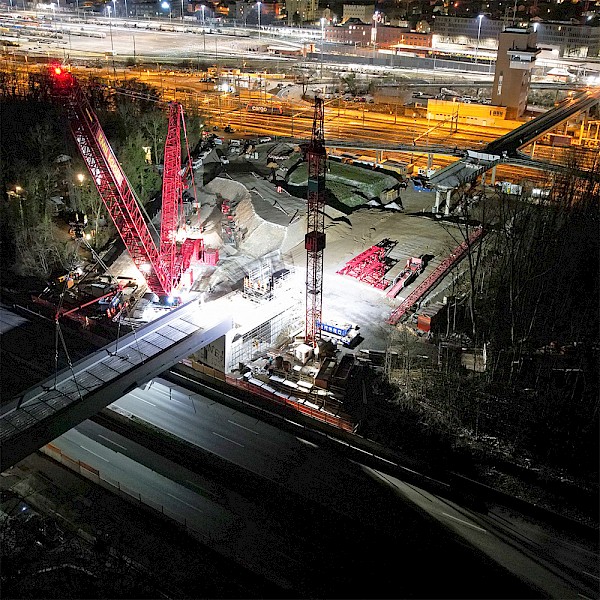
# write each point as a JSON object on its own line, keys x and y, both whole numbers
{"x": 340, "y": 509}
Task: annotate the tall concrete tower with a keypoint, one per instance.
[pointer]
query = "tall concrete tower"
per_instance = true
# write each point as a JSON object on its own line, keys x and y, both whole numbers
{"x": 517, "y": 51}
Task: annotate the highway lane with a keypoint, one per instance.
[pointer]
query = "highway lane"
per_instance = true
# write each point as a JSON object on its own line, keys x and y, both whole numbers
{"x": 260, "y": 448}
{"x": 221, "y": 518}
{"x": 297, "y": 543}
{"x": 551, "y": 561}
{"x": 564, "y": 567}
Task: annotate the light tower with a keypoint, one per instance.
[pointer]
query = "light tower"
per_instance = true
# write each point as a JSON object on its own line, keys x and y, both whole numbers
{"x": 314, "y": 240}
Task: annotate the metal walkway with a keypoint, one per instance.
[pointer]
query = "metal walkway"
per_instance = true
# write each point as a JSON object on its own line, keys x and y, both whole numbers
{"x": 75, "y": 394}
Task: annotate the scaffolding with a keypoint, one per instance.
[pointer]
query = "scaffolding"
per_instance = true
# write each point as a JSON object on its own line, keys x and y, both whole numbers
{"x": 250, "y": 345}
{"x": 258, "y": 283}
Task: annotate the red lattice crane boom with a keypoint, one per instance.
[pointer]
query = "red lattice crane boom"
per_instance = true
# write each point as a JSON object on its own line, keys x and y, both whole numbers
{"x": 314, "y": 240}
{"x": 171, "y": 191}
{"x": 161, "y": 266}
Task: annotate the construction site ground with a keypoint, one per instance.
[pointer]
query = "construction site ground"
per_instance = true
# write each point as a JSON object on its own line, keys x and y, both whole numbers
{"x": 273, "y": 224}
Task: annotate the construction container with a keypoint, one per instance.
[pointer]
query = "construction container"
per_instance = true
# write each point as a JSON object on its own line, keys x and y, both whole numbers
{"x": 303, "y": 353}
{"x": 399, "y": 167}
{"x": 432, "y": 318}
{"x": 325, "y": 372}
{"x": 335, "y": 328}
{"x": 557, "y": 139}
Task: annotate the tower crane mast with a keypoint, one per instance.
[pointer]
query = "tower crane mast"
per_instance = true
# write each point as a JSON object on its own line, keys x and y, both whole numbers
{"x": 162, "y": 266}
{"x": 314, "y": 240}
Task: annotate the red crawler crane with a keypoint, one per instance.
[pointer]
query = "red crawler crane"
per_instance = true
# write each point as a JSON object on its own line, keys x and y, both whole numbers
{"x": 162, "y": 266}
{"x": 172, "y": 204}
{"x": 314, "y": 240}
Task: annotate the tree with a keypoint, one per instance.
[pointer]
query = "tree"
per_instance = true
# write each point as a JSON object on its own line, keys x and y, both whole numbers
{"x": 144, "y": 179}
{"x": 154, "y": 124}
{"x": 304, "y": 77}
{"x": 474, "y": 209}
{"x": 38, "y": 252}
{"x": 350, "y": 82}
{"x": 43, "y": 142}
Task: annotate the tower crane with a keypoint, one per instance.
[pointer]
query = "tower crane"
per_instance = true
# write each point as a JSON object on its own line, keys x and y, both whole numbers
{"x": 162, "y": 265}
{"x": 314, "y": 240}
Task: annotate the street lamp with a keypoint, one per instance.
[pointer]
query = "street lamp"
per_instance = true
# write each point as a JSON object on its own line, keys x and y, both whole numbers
{"x": 17, "y": 193}
{"x": 203, "y": 7}
{"x": 181, "y": 9}
{"x": 376, "y": 19}
{"x": 479, "y": 18}
{"x": 165, "y": 5}
{"x": 112, "y": 47}
{"x": 322, "y": 42}
{"x": 258, "y": 5}
{"x": 115, "y": 8}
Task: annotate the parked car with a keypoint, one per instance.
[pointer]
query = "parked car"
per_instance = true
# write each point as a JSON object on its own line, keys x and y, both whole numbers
{"x": 264, "y": 139}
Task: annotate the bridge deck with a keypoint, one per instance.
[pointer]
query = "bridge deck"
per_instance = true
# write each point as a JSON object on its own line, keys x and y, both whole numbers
{"x": 75, "y": 394}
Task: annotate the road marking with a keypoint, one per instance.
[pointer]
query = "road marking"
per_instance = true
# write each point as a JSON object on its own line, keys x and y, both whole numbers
{"x": 585, "y": 597}
{"x": 246, "y": 428}
{"x": 464, "y": 522}
{"x": 184, "y": 502}
{"x": 115, "y": 443}
{"x": 590, "y": 574}
{"x": 168, "y": 392}
{"x": 102, "y": 457}
{"x": 146, "y": 401}
{"x": 579, "y": 548}
{"x": 307, "y": 442}
{"x": 226, "y": 438}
